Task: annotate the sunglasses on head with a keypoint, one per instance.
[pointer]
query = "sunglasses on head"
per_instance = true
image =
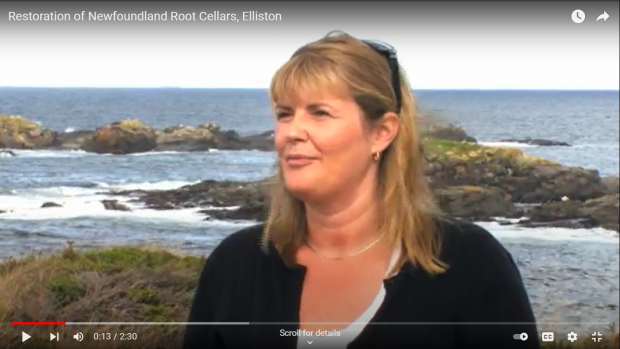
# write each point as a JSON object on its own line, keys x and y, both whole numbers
{"x": 389, "y": 53}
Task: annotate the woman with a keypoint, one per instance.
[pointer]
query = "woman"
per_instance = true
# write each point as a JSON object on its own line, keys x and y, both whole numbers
{"x": 353, "y": 253}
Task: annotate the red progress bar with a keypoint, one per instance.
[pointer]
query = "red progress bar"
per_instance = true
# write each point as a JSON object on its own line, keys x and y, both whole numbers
{"x": 38, "y": 323}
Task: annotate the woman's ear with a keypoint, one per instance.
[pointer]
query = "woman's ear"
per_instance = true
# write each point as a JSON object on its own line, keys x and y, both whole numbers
{"x": 385, "y": 131}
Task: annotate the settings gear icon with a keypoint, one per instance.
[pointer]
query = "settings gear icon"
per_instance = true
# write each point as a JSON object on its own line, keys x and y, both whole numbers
{"x": 572, "y": 336}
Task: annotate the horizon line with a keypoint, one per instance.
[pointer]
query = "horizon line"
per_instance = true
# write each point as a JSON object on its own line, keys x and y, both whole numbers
{"x": 266, "y": 88}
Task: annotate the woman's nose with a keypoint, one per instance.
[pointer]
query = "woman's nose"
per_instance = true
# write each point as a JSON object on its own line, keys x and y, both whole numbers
{"x": 297, "y": 127}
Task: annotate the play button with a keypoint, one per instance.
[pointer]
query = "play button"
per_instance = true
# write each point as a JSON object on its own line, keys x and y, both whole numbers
{"x": 25, "y": 336}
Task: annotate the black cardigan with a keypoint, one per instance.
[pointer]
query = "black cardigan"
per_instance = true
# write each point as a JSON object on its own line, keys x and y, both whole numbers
{"x": 480, "y": 302}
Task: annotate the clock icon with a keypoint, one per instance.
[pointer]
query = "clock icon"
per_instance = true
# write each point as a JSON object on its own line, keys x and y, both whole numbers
{"x": 578, "y": 16}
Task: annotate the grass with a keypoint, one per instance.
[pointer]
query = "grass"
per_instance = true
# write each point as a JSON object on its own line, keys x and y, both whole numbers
{"x": 120, "y": 284}
{"x": 444, "y": 150}
{"x": 132, "y": 125}
{"x": 17, "y": 124}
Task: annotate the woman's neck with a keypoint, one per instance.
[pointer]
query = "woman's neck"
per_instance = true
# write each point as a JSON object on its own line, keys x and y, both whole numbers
{"x": 348, "y": 223}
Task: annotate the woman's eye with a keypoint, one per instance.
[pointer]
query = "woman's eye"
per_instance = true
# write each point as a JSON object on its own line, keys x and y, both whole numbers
{"x": 321, "y": 113}
{"x": 282, "y": 115}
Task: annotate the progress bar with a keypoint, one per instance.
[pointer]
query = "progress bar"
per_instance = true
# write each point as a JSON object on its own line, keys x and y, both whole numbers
{"x": 127, "y": 323}
{"x": 67, "y": 323}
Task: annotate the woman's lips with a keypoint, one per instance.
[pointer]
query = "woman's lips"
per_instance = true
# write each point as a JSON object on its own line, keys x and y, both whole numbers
{"x": 299, "y": 160}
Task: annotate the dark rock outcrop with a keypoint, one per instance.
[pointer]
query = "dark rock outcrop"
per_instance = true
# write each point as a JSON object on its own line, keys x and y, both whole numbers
{"x": 597, "y": 212}
{"x": 475, "y": 203}
{"x": 114, "y": 205}
{"x": 538, "y": 142}
{"x": 448, "y": 132}
{"x": 527, "y": 179}
{"x": 73, "y": 140}
{"x": 7, "y": 152}
{"x": 50, "y": 204}
{"x": 209, "y": 136}
{"x": 612, "y": 183}
{"x": 231, "y": 140}
{"x": 206, "y": 194}
{"x": 254, "y": 211}
{"x": 122, "y": 137}
{"x": 187, "y": 138}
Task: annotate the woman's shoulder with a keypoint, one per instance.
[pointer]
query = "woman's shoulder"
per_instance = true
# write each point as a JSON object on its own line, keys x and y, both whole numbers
{"x": 236, "y": 256}
{"x": 469, "y": 246}
{"x": 245, "y": 241}
{"x": 488, "y": 283}
{"x": 464, "y": 232}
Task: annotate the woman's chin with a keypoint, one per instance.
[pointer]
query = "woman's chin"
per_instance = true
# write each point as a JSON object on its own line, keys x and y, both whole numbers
{"x": 301, "y": 188}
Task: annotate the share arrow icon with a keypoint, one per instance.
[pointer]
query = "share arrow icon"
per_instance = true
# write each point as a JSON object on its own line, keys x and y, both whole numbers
{"x": 604, "y": 16}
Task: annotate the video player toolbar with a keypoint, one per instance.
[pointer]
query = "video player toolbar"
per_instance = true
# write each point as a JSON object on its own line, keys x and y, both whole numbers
{"x": 545, "y": 336}
{"x": 572, "y": 336}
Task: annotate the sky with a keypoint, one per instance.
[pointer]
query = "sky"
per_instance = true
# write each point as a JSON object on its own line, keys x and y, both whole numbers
{"x": 441, "y": 46}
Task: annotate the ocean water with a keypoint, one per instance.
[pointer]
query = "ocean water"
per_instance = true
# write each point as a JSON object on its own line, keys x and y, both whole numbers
{"x": 572, "y": 275}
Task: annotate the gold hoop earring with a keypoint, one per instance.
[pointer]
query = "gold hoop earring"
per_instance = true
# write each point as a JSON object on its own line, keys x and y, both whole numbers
{"x": 376, "y": 156}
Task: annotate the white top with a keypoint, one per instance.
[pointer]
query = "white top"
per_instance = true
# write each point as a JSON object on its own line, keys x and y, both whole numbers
{"x": 349, "y": 333}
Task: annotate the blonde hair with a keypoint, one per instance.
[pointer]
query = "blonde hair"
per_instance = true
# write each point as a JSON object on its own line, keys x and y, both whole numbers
{"x": 341, "y": 64}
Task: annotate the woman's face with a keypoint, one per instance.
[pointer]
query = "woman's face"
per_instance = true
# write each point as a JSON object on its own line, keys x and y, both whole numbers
{"x": 324, "y": 146}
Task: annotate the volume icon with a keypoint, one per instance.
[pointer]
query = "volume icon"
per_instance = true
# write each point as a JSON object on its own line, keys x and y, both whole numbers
{"x": 79, "y": 336}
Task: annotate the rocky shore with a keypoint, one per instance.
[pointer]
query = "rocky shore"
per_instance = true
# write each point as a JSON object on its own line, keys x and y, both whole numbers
{"x": 127, "y": 137}
{"x": 134, "y": 136}
{"x": 471, "y": 181}
{"x": 501, "y": 187}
